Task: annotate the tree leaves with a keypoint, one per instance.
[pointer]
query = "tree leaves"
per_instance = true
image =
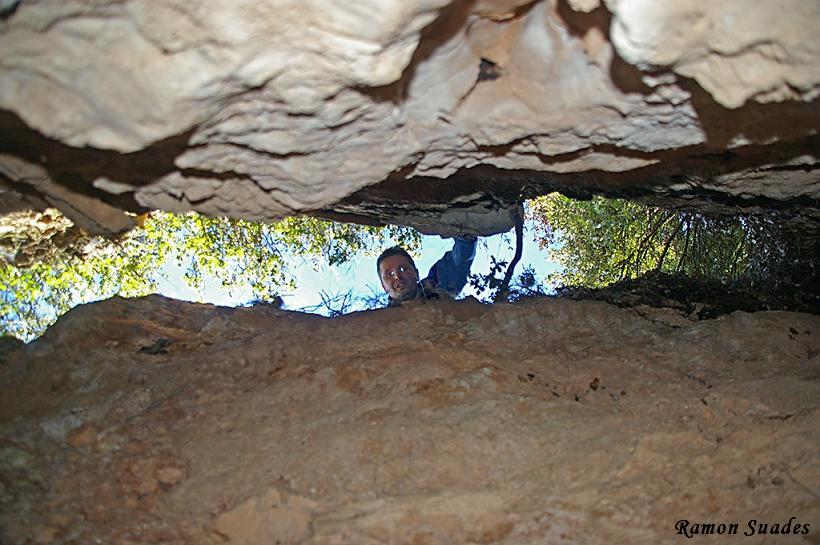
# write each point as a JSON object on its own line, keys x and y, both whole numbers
{"x": 601, "y": 241}
{"x": 238, "y": 253}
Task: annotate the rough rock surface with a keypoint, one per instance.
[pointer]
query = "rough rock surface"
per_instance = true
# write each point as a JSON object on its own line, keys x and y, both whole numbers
{"x": 261, "y": 109}
{"x": 28, "y": 237}
{"x": 548, "y": 421}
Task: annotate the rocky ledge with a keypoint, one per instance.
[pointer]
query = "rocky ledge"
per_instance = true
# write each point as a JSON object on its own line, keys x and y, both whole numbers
{"x": 546, "y": 421}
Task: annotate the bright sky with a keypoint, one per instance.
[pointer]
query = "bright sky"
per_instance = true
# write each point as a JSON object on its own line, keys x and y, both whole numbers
{"x": 359, "y": 275}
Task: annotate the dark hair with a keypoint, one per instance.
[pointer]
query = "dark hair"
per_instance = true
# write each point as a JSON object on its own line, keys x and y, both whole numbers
{"x": 395, "y": 250}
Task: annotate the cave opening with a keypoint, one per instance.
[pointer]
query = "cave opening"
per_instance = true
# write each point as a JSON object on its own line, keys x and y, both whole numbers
{"x": 617, "y": 250}
{"x": 605, "y": 376}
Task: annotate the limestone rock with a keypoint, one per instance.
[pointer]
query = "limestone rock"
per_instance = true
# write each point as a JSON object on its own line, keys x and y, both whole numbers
{"x": 263, "y": 109}
{"x": 546, "y": 421}
{"x": 735, "y": 53}
{"x": 267, "y": 519}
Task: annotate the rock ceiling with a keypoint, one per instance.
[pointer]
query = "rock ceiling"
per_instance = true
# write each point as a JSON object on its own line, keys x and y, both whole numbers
{"x": 439, "y": 114}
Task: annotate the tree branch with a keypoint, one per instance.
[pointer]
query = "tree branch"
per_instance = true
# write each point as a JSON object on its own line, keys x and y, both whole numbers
{"x": 668, "y": 243}
{"x": 504, "y": 289}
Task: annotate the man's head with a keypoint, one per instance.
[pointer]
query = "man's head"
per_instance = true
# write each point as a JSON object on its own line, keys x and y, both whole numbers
{"x": 398, "y": 273}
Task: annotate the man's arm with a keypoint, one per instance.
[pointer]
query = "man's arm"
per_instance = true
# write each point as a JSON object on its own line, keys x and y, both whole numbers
{"x": 450, "y": 273}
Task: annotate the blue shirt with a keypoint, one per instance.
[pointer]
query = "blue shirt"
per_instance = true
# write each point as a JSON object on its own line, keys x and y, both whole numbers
{"x": 449, "y": 274}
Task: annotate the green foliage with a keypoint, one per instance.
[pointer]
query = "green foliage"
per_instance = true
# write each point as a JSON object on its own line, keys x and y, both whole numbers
{"x": 335, "y": 243}
{"x": 236, "y": 252}
{"x": 33, "y": 297}
{"x": 601, "y": 241}
{"x": 486, "y": 285}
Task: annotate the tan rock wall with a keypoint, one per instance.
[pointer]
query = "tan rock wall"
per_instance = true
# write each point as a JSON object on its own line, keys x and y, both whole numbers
{"x": 548, "y": 421}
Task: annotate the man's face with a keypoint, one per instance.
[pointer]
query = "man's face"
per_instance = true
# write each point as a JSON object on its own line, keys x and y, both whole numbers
{"x": 399, "y": 278}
